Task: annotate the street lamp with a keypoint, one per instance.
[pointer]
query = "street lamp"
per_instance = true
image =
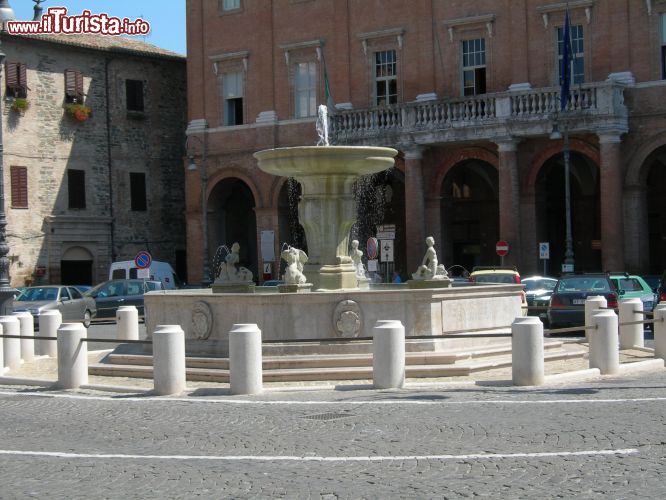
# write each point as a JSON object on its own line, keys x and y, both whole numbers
{"x": 205, "y": 276}
{"x": 568, "y": 265}
{"x": 6, "y": 291}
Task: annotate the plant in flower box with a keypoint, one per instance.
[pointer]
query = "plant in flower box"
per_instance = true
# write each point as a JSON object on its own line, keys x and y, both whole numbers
{"x": 20, "y": 104}
{"x": 80, "y": 112}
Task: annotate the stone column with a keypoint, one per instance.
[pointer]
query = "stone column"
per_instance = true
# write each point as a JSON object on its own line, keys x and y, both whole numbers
{"x": 433, "y": 226}
{"x": 637, "y": 253}
{"x": 509, "y": 200}
{"x": 612, "y": 227}
{"x": 414, "y": 209}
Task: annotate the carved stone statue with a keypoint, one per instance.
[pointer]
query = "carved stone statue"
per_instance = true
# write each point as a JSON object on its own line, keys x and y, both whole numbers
{"x": 429, "y": 268}
{"x": 230, "y": 271}
{"x": 295, "y": 259}
{"x": 322, "y": 125}
{"x": 356, "y": 257}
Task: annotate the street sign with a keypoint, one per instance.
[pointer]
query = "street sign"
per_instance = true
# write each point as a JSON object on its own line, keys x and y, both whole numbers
{"x": 387, "y": 251}
{"x": 143, "y": 273}
{"x": 371, "y": 247}
{"x": 567, "y": 268}
{"x": 143, "y": 260}
{"x": 385, "y": 227}
{"x": 372, "y": 265}
{"x": 502, "y": 248}
{"x": 386, "y": 235}
{"x": 544, "y": 250}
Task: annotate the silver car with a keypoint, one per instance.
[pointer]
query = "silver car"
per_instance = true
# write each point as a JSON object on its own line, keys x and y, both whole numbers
{"x": 72, "y": 304}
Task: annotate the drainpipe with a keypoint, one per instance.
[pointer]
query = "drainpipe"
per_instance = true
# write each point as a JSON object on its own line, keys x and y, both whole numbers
{"x": 108, "y": 155}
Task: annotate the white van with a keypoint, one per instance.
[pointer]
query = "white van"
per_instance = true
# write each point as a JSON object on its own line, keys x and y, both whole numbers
{"x": 158, "y": 271}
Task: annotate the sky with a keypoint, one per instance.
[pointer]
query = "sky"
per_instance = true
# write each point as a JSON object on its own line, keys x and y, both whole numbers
{"x": 166, "y": 17}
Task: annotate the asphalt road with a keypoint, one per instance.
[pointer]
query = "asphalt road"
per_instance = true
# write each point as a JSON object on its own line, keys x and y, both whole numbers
{"x": 602, "y": 439}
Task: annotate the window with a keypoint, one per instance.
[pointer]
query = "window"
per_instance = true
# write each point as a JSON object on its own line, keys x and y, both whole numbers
{"x": 73, "y": 86}
{"x": 19, "y": 180}
{"x": 16, "y": 79}
{"x": 386, "y": 77}
{"x": 232, "y": 98}
{"x": 474, "y": 66}
{"x": 134, "y": 93}
{"x": 305, "y": 89}
{"x": 577, "y": 59}
{"x": 76, "y": 184}
{"x": 138, "y": 190}
{"x": 663, "y": 46}
{"x": 228, "y": 5}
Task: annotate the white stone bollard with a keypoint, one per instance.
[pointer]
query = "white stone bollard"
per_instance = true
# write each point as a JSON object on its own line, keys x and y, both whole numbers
{"x": 591, "y": 305}
{"x": 245, "y": 369}
{"x": 27, "y": 326}
{"x": 11, "y": 347}
{"x": 388, "y": 354}
{"x": 659, "y": 328}
{"x": 631, "y": 335}
{"x": 49, "y": 322}
{"x": 127, "y": 323}
{"x": 168, "y": 360}
{"x": 604, "y": 350}
{"x": 527, "y": 358}
{"x": 72, "y": 356}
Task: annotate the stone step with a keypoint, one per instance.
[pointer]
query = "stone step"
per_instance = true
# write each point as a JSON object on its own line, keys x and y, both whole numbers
{"x": 331, "y": 372}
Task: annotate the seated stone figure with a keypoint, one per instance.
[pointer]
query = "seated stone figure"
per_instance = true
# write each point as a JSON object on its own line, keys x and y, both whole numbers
{"x": 356, "y": 257}
{"x": 230, "y": 271}
{"x": 429, "y": 268}
{"x": 295, "y": 259}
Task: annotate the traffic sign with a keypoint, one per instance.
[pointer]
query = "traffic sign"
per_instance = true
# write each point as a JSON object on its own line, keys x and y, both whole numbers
{"x": 143, "y": 259}
{"x": 544, "y": 250}
{"x": 387, "y": 250}
{"x": 371, "y": 247}
{"x": 502, "y": 248}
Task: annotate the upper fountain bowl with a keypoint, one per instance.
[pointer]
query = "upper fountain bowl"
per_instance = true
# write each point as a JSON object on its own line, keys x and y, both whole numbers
{"x": 304, "y": 161}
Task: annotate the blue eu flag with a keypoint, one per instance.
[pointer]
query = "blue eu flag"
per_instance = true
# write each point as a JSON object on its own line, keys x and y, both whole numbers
{"x": 565, "y": 69}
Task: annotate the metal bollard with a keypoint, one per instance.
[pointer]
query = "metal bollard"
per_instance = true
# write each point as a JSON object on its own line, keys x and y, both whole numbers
{"x": 631, "y": 335}
{"x": 591, "y": 305}
{"x": 11, "y": 347}
{"x": 72, "y": 356}
{"x": 168, "y": 360}
{"x": 388, "y": 354}
{"x": 527, "y": 358}
{"x": 659, "y": 328}
{"x": 245, "y": 362}
{"x": 27, "y": 326}
{"x": 127, "y": 323}
{"x": 49, "y": 322}
{"x": 604, "y": 351}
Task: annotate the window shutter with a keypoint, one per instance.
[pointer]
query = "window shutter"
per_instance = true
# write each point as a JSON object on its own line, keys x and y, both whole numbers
{"x": 19, "y": 183}
{"x": 79, "y": 84}
{"x": 22, "y": 75}
{"x": 70, "y": 82}
{"x": 11, "y": 75}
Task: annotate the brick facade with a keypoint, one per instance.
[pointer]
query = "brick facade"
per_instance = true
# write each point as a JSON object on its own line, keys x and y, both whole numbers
{"x": 49, "y": 240}
{"x": 473, "y": 169}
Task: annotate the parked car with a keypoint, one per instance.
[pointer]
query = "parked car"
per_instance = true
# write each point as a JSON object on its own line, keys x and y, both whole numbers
{"x": 73, "y": 305}
{"x": 538, "y": 290}
{"x": 112, "y": 294}
{"x": 630, "y": 286}
{"x": 498, "y": 275}
{"x": 567, "y": 302}
{"x": 661, "y": 290}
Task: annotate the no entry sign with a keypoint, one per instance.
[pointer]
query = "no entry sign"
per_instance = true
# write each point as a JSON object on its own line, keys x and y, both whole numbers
{"x": 502, "y": 248}
{"x": 371, "y": 247}
{"x": 143, "y": 260}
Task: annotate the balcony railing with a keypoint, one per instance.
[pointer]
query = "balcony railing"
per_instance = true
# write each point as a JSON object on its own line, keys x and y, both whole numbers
{"x": 516, "y": 110}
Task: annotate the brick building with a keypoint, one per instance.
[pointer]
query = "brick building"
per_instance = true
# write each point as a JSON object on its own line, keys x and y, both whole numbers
{"x": 83, "y": 190}
{"x": 468, "y": 92}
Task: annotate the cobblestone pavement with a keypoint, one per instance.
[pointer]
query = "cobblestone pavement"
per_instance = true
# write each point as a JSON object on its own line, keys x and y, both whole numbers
{"x": 596, "y": 439}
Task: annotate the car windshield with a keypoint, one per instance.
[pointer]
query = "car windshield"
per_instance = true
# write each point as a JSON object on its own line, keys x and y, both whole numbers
{"x": 37, "y": 294}
{"x": 532, "y": 285}
{"x": 583, "y": 284}
{"x": 495, "y": 278}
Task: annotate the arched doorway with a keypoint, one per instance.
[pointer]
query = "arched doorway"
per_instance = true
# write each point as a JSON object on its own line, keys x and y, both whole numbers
{"x": 656, "y": 210}
{"x": 290, "y": 228}
{"x": 470, "y": 214}
{"x": 76, "y": 267}
{"x": 231, "y": 218}
{"x": 550, "y": 202}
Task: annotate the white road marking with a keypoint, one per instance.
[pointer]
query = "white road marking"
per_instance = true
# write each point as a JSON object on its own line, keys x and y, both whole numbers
{"x": 289, "y": 458}
{"x": 195, "y": 399}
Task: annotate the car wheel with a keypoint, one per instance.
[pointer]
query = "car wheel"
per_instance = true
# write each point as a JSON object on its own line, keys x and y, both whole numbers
{"x": 87, "y": 317}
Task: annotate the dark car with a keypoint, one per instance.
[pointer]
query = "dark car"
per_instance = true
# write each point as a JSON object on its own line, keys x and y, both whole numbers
{"x": 538, "y": 290}
{"x": 567, "y": 303}
{"x": 110, "y": 295}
